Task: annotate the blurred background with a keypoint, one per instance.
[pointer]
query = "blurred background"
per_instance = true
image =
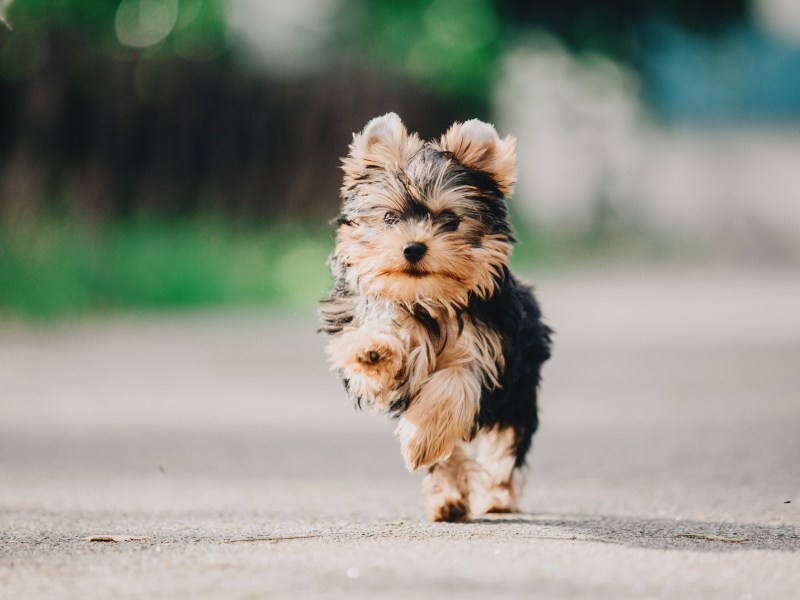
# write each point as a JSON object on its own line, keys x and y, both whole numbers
{"x": 169, "y": 153}
{"x": 158, "y": 156}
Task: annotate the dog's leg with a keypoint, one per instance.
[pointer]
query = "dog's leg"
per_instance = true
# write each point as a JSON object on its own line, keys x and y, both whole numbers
{"x": 447, "y": 487}
{"x": 499, "y": 488}
{"x": 369, "y": 358}
{"x": 440, "y": 416}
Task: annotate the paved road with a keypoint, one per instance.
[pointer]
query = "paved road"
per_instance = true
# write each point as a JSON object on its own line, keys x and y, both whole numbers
{"x": 668, "y": 464}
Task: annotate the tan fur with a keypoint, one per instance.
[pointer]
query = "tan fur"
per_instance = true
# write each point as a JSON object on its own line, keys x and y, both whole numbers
{"x": 477, "y": 145}
{"x": 370, "y": 357}
{"x": 375, "y": 251}
{"x": 499, "y": 489}
{"x": 383, "y": 348}
{"x": 444, "y": 379}
{"x": 447, "y": 487}
{"x": 477, "y": 347}
{"x": 384, "y": 142}
{"x": 440, "y": 416}
{"x": 449, "y": 268}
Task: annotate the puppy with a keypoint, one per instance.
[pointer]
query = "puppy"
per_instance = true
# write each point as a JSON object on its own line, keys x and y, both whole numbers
{"x": 426, "y": 321}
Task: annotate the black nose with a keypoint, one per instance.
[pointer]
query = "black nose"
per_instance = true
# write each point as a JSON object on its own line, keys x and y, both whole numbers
{"x": 414, "y": 251}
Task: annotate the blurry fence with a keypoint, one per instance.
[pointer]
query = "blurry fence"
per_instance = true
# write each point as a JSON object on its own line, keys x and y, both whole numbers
{"x": 109, "y": 134}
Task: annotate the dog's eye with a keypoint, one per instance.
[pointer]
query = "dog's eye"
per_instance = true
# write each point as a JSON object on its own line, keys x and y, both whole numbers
{"x": 448, "y": 221}
{"x": 391, "y": 218}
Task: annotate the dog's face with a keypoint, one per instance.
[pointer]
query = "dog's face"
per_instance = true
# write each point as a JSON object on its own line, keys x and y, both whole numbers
{"x": 425, "y": 222}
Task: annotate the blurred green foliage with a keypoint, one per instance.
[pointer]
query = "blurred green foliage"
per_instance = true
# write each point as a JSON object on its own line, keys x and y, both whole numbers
{"x": 86, "y": 16}
{"x": 616, "y": 27}
{"x": 450, "y": 45}
{"x": 195, "y": 28}
{"x": 455, "y": 46}
{"x": 54, "y": 267}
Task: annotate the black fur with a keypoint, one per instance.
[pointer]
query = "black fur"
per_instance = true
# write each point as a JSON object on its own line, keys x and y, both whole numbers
{"x": 512, "y": 310}
{"x": 514, "y": 313}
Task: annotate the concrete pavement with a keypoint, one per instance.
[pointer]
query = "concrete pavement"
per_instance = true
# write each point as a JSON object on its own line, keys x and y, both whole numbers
{"x": 667, "y": 466}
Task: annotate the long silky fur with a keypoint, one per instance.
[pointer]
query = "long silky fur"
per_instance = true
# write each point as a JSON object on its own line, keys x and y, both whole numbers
{"x": 451, "y": 345}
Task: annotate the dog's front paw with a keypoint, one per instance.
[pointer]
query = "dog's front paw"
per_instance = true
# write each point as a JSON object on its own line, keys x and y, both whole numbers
{"x": 374, "y": 355}
{"x": 441, "y": 416}
{"x": 425, "y": 444}
{"x": 370, "y": 359}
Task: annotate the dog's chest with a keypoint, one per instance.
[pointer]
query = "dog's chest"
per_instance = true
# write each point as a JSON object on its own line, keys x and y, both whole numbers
{"x": 440, "y": 340}
{"x": 444, "y": 341}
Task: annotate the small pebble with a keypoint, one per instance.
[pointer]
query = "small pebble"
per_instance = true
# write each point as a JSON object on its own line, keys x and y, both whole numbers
{"x": 353, "y": 573}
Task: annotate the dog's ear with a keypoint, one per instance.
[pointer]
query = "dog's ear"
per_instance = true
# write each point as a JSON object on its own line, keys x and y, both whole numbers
{"x": 384, "y": 141}
{"x": 475, "y": 144}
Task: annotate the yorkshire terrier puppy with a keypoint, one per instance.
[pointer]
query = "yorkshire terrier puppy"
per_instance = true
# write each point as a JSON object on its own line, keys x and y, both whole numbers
{"x": 427, "y": 322}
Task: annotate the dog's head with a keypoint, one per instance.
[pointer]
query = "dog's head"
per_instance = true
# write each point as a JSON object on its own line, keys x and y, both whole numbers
{"x": 425, "y": 222}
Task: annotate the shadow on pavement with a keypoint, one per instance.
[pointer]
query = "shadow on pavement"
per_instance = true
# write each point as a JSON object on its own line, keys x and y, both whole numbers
{"x": 663, "y": 534}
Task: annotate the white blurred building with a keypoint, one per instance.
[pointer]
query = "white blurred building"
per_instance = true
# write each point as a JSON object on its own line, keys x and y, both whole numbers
{"x": 586, "y": 145}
